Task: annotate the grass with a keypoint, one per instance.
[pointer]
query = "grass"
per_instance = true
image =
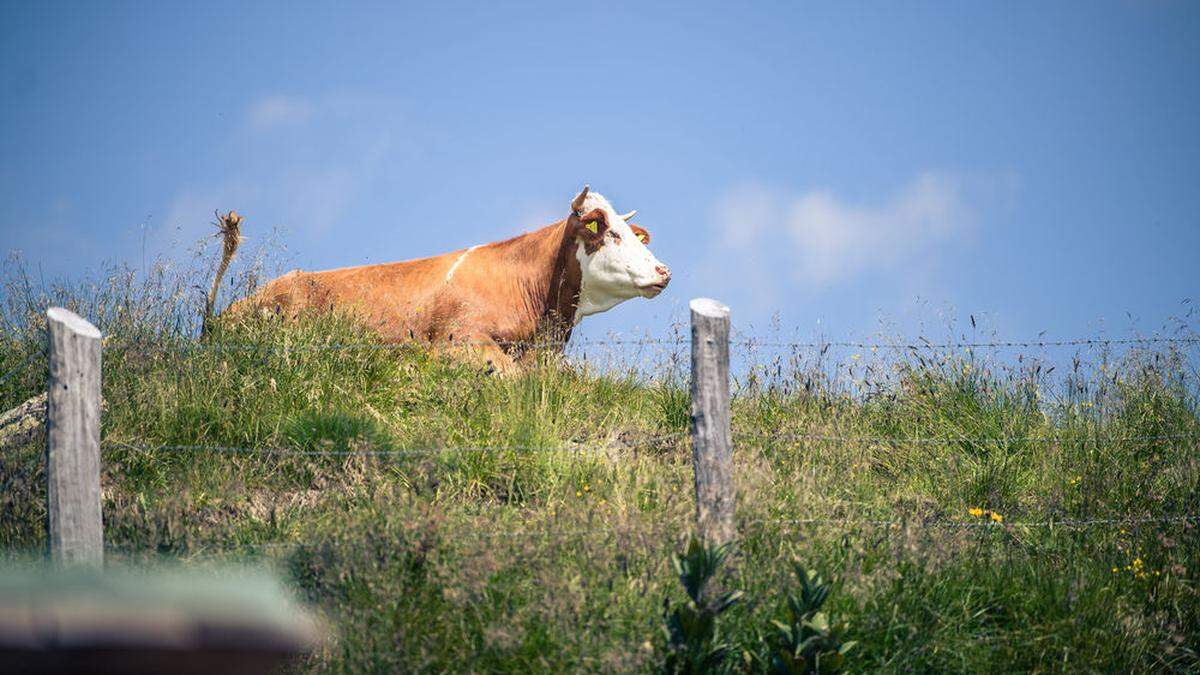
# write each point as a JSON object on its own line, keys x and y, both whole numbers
{"x": 400, "y": 550}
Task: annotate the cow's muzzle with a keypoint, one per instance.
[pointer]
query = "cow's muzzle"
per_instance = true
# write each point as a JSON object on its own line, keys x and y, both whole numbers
{"x": 664, "y": 278}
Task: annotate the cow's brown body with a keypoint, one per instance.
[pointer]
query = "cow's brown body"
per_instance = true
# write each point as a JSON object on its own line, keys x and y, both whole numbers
{"x": 499, "y": 295}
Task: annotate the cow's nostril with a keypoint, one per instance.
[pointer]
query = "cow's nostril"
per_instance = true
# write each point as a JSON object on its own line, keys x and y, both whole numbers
{"x": 663, "y": 271}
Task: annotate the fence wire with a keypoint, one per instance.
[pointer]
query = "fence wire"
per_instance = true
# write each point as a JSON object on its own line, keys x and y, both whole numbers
{"x": 1027, "y": 344}
{"x": 849, "y": 523}
{"x": 471, "y": 534}
{"x": 954, "y": 440}
{"x": 391, "y": 346}
{"x": 968, "y": 524}
{"x": 635, "y": 441}
{"x": 581, "y": 448}
{"x": 12, "y": 372}
{"x": 749, "y": 342}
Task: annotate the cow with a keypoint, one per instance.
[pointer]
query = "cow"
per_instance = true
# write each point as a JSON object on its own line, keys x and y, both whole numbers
{"x": 490, "y": 300}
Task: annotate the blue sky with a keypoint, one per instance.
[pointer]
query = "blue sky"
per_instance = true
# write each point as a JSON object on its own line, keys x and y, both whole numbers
{"x": 826, "y": 166}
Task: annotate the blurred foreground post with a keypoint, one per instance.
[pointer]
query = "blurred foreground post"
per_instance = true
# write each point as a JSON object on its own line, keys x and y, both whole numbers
{"x": 149, "y": 621}
{"x": 74, "y": 531}
{"x": 712, "y": 452}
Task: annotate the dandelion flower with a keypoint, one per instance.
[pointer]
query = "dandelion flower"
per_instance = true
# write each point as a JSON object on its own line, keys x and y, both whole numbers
{"x": 975, "y": 511}
{"x": 997, "y": 518}
{"x": 578, "y": 493}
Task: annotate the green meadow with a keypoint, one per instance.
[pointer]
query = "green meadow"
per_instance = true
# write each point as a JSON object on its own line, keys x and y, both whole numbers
{"x": 975, "y": 509}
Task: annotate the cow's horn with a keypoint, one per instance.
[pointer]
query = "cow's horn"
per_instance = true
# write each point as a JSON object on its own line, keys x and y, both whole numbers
{"x": 578, "y": 203}
{"x": 629, "y": 215}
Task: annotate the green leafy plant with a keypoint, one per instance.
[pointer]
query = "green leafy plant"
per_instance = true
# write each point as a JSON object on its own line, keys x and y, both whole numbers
{"x": 808, "y": 642}
{"x": 694, "y": 642}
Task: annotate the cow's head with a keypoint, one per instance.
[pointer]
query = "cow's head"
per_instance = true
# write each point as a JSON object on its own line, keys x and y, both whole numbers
{"x": 614, "y": 260}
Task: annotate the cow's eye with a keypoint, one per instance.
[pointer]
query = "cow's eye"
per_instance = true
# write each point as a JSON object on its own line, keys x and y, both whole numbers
{"x": 614, "y": 235}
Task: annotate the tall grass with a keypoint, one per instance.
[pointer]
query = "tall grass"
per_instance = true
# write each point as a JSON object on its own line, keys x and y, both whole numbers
{"x": 556, "y": 556}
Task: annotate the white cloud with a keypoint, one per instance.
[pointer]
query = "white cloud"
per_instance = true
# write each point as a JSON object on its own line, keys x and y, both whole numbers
{"x": 305, "y": 176}
{"x": 274, "y": 111}
{"x": 826, "y": 239}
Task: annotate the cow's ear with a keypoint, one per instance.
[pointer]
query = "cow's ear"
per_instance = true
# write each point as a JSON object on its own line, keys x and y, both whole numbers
{"x": 590, "y": 226}
{"x": 641, "y": 233}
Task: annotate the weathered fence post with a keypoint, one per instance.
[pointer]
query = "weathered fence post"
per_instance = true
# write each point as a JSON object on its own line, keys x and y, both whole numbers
{"x": 712, "y": 452}
{"x": 74, "y": 531}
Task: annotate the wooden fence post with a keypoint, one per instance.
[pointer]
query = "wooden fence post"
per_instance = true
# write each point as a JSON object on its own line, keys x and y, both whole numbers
{"x": 74, "y": 531}
{"x": 712, "y": 452}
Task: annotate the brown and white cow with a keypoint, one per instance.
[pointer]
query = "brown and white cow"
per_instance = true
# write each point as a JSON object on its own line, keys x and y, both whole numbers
{"x": 490, "y": 299}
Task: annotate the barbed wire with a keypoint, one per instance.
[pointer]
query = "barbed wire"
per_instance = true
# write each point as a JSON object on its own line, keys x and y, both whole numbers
{"x": 1079, "y": 342}
{"x": 750, "y": 342}
{"x": 537, "y": 534}
{"x": 850, "y": 523}
{"x": 581, "y": 448}
{"x": 391, "y": 346}
{"x": 21, "y": 365}
{"x": 952, "y": 440}
{"x": 659, "y": 528}
{"x": 964, "y": 524}
{"x": 634, "y": 441}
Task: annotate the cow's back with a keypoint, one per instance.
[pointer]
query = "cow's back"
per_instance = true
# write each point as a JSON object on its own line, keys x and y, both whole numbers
{"x": 398, "y": 299}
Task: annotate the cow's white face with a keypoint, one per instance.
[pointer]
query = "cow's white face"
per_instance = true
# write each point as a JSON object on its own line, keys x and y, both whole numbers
{"x": 615, "y": 262}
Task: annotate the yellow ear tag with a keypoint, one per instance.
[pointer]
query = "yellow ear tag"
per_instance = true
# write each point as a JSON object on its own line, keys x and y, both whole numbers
{"x": 591, "y": 225}
{"x": 642, "y": 238}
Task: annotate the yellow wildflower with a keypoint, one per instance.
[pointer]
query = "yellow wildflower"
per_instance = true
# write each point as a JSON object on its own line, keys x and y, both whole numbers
{"x": 975, "y": 511}
{"x": 578, "y": 493}
{"x": 997, "y": 518}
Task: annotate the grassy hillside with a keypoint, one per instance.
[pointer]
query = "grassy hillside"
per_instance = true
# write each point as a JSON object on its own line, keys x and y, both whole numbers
{"x": 543, "y": 542}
